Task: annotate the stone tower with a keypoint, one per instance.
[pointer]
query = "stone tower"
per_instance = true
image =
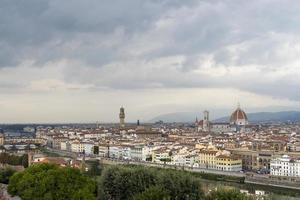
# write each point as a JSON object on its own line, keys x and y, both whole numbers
{"x": 2, "y": 138}
{"x": 122, "y": 117}
{"x": 206, "y": 121}
{"x": 30, "y": 158}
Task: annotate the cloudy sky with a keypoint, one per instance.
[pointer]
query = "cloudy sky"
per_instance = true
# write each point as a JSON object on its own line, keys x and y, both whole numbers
{"x": 79, "y": 61}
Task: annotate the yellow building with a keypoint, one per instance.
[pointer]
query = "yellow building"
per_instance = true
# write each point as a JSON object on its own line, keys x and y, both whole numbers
{"x": 219, "y": 160}
{"x": 228, "y": 163}
{"x": 207, "y": 158}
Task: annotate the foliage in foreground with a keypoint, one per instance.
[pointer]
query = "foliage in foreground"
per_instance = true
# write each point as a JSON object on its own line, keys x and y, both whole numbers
{"x": 5, "y": 174}
{"x": 138, "y": 183}
{"x": 46, "y": 181}
{"x": 218, "y": 177}
{"x": 152, "y": 193}
{"x": 6, "y": 158}
{"x": 156, "y": 193}
{"x": 120, "y": 182}
{"x": 50, "y": 182}
{"x": 94, "y": 168}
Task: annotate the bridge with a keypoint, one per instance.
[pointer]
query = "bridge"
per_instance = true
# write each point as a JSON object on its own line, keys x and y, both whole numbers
{"x": 21, "y": 140}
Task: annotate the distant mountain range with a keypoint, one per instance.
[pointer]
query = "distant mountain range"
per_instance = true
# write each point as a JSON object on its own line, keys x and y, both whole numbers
{"x": 283, "y": 116}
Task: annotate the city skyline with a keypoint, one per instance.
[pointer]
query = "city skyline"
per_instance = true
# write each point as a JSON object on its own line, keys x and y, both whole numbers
{"x": 149, "y": 99}
{"x": 60, "y": 63}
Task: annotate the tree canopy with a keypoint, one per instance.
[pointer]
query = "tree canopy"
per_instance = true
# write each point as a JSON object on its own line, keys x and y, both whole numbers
{"x": 5, "y": 174}
{"x": 6, "y": 158}
{"x": 152, "y": 193}
{"x": 123, "y": 183}
{"x": 50, "y": 182}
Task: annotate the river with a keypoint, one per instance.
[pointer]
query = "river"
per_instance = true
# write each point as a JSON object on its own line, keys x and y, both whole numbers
{"x": 276, "y": 193}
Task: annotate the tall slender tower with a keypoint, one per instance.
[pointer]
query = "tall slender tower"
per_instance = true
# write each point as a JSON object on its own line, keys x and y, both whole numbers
{"x": 206, "y": 121}
{"x": 30, "y": 158}
{"x": 122, "y": 117}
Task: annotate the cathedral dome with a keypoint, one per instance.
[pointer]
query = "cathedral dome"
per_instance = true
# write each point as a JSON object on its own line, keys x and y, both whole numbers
{"x": 239, "y": 117}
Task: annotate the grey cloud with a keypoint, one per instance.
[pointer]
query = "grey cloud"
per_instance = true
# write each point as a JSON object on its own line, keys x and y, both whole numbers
{"x": 106, "y": 39}
{"x": 34, "y": 24}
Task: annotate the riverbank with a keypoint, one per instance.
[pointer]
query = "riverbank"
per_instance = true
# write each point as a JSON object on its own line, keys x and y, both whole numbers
{"x": 275, "y": 193}
{"x": 220, "y": 180}
{"x": 271, "y": 183}
{"x": 212, "y": 181}
{"x": 214, "y": 175}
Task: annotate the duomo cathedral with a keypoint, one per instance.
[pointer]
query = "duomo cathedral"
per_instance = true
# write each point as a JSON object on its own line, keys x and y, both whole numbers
{"x": 238, "y": 123}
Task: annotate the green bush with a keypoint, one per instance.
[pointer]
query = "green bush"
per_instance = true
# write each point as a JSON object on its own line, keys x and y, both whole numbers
{"x": 218, "y": 177}
{"x": 180, "y": 185}
{"x": 152, "y": 193}
{"x": 120, "y": 182}
{"x": 6, "y": 158}
{"x": 94, "y": 168}
{"x": 5, "y": 174}
{"x": 46, "y": 181}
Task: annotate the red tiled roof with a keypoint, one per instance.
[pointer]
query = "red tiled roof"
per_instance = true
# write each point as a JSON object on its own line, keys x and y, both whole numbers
{"x": 238, "y": 114}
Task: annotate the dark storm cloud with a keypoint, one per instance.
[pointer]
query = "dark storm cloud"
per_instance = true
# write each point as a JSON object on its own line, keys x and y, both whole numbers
{"x": 27, "y": 25}
{"x": 248, "y": 45}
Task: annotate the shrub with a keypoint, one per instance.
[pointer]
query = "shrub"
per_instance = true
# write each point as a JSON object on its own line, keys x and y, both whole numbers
{"x": 47, "y": 181}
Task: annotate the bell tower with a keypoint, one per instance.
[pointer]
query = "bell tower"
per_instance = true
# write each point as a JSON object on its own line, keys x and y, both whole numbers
{"x": 205, "y": 120}
{"x": 122, "y": 117}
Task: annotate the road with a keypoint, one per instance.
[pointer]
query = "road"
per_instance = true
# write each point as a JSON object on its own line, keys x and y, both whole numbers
{"x": 191, "y": 169}
{"x": 118, "y": 161}
{"x": 249, "y": 178}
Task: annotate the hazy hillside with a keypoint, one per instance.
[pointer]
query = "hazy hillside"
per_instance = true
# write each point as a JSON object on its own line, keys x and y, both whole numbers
{"x": 253, "y": 117}
{"x": 270, "y": 116}
{"x": 176, "y": 117}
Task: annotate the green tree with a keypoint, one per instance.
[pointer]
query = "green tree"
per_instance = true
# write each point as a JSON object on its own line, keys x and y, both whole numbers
{"x": 94, "y": 168}
{"x": 122, "y": 183}
{"x": 96, "y": 150}
{"x": 6, "y": 158}
{"x": 47, "y": 181}
{"x": 5, "y": 174}
{"x": 180, "y": 185}
{"x": 24, "y": 160}
{"x": 152, "y": 193}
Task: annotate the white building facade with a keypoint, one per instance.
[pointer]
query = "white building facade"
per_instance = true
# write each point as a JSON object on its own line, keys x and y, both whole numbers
{"x": 285, "y": 166}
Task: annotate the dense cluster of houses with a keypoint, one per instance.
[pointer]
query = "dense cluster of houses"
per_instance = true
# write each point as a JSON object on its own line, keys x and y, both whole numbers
{"x": 181, "y": 145}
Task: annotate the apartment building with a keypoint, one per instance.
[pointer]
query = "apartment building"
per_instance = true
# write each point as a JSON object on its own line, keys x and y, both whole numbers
{"x": 228, "y": 163}
{"x": 285, "y": 166}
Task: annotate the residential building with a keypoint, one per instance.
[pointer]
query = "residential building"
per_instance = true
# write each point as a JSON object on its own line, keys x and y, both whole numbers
{"x": 285, "y": 166}
{"x": 228, "y": 163}
{"x": 77, "y": 146}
